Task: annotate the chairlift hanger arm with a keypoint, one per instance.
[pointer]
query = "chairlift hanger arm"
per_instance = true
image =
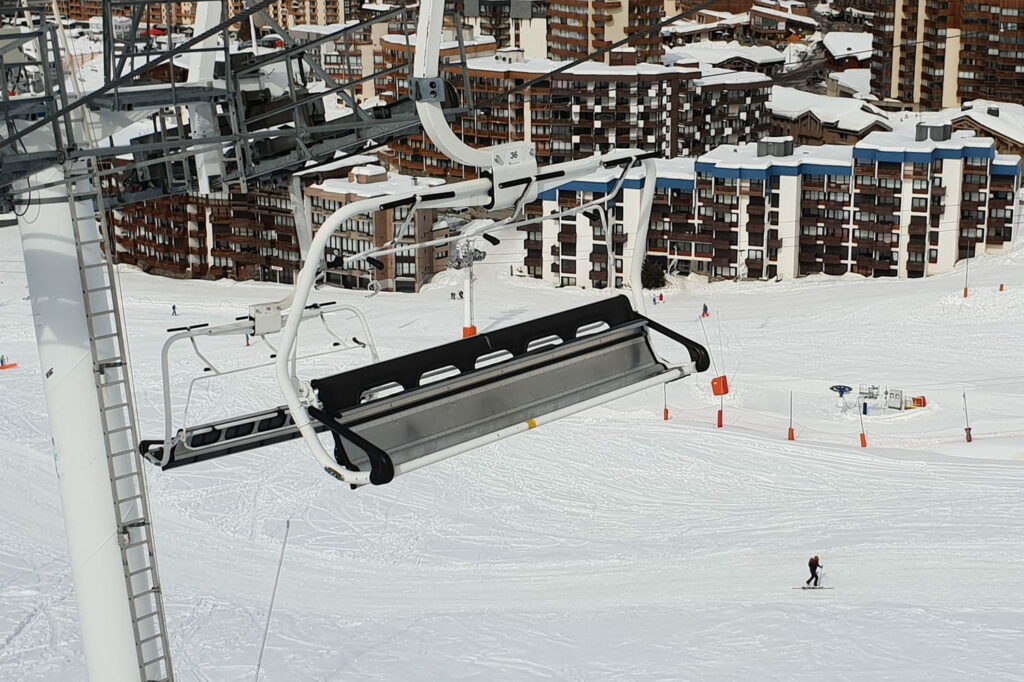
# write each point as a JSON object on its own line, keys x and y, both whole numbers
{"x": 468, "y": 193}
{"x": 510, "y": 177}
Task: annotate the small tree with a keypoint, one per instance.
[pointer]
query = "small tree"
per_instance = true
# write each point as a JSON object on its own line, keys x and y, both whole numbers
{"x": 652, "y": 275}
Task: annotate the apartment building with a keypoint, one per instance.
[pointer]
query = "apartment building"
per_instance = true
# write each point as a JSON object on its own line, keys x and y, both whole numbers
{"x": 908, "y": 203}
{"x": 577, "y": 28}
{"x": 594, "y": 249}
{"x": 349, "y": 57}
{"x": 594, "y": 107}
{"x": 512, "y": 23}
{"x": 238, "y": 235}
{"x": 930, "y": 54}
{"x": 286, "y": 12}
{"x": 401, "y": 272}
{"x": 258, "y": 236}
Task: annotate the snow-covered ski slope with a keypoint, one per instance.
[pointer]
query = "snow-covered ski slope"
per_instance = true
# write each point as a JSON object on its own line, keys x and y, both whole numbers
{"x": 613, "y": 545}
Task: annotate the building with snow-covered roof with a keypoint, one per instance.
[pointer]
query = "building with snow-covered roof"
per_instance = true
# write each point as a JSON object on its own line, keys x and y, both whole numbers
{"x": 401, "y": 272}
{"x": 773, "y": 23}
{"x": 819, "y": 119}
{"x": 1002, "y": 121}
{"x": 727, "y": 55}
{"x": 854, "y": 83}
{"x": 847, "y": 50}
{"x": 707, "y": 26}
{"x": 908, "y": 203}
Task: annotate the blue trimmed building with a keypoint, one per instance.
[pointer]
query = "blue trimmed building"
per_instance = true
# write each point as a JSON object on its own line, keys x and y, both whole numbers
{"x": 908, "y": 203}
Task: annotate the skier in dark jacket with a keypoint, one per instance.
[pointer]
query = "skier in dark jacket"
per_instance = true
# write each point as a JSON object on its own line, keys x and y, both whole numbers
{"x": 814, "y": 564}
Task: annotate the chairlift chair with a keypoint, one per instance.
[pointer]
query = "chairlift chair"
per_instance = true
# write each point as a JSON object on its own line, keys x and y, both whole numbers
{"x": 186, "y": 443}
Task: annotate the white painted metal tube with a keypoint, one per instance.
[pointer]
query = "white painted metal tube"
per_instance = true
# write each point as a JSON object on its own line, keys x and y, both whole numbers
{"x": 65, "y": 360}
{"x": 640, "y": 244}
{"x": 671, "y": 375}
{"x": 469, "y": 193}
{"x": 426, "y": 64}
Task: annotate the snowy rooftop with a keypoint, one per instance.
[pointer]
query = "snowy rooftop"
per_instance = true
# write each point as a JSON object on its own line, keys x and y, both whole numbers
{"x": 715, "y": 76}
{"x": 684, "y": 27}
{"x": 745, "y": 156}
{"x": 715, "y": 52}
{"x": 371, "y": 169}
{"x": 394, "y": 184}
{"x": 903, "y": 138}
{"x": 1002, "y": 118}
{"x": 858, "y": 80}
{"x": 321, "y": 29}
{"x": 453, "y": 44}
{"x": 343, "y": 162}
{"x": 844, "y": 113}
{"x": 842, "y": 44}
{"x": 540, "y": 66}
{"x": 788, "y": 16}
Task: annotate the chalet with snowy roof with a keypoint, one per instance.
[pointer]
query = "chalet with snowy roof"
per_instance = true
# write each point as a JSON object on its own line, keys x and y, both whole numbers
{"x": 727, "y": 55}
{"x": 847, "y": 50}
{"x": 819, "y": 119}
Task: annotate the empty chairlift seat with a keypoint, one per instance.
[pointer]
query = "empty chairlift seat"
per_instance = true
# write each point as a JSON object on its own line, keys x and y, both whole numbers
{"x": 398, "y": 415}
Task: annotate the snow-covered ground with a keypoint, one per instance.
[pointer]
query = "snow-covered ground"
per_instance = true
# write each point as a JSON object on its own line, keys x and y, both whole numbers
{"x": 612, "y": 545}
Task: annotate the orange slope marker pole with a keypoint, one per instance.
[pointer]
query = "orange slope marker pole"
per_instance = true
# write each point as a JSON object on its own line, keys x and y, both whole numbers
{"x": 792, "y": 433}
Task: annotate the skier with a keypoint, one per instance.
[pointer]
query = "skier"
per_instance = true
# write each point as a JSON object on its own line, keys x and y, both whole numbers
{"x": 661, "y": 298}
{"x": 174, "y": 310}
{"x": 3, "y": 360}
{"x": 814, "y": 564}
{"x": 461, "y": 295}
{"x": 705, "y": 313}
{"x": 654, "y": 300}
{"x": 453, "y": 295}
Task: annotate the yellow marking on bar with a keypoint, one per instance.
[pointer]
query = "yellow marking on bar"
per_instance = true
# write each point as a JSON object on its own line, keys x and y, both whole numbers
{"x": 532, "y": 423}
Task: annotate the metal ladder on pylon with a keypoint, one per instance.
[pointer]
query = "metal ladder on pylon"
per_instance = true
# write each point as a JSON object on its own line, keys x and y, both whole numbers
{"x": 112, "y": 373}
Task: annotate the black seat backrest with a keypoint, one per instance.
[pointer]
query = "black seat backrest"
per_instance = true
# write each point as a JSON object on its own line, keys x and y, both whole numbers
{"x": 344, "y": 391}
